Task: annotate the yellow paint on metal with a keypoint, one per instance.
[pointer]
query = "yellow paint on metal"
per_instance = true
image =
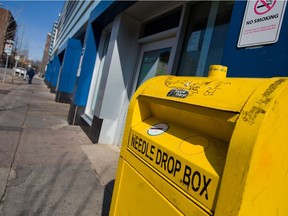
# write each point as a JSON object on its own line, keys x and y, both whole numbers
{"x": 180, "y": 156}
{"x": 255, "y": 176}
{"x": 204, "y": 146}
{"x": 228, "y": 94}
{"x": 217, "y": 71}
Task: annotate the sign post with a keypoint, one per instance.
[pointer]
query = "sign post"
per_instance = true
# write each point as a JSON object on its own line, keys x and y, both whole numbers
{"x": 8, "y": 50}
{"x": 17, "y": 58}
{"x": 4, "y": 76}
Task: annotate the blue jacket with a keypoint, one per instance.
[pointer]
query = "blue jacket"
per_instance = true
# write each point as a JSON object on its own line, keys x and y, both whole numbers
{"x": 31, "y": 73}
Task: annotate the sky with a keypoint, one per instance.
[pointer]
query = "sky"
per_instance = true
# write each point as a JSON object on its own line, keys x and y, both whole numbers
{"x": 35, "y": 20}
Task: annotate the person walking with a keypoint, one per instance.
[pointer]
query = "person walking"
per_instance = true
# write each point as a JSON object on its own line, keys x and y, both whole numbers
{"x": 31, "y": 74}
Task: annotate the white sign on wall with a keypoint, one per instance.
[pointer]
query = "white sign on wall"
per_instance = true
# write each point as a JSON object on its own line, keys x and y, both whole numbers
{"x": 262, "y": 22}
{"x": 8, "y": 49}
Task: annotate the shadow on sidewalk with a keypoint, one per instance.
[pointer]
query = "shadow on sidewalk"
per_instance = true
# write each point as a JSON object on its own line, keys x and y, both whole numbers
{"x": 47, "y": 190}
{"x": 108, "y": 191}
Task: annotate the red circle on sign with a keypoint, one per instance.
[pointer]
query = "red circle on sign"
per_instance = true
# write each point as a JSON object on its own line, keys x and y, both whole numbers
{"x": 263, "y": 6}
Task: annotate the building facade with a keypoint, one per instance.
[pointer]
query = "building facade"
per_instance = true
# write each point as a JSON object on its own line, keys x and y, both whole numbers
{"x": 115, "y": 46}
{"x": 53, "y": 36}
{"x": 8, "y": 29}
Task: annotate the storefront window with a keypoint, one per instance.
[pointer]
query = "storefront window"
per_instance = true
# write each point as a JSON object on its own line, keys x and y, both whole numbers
{"x": 205, "y": 38}
{"x": 162, "y": 23}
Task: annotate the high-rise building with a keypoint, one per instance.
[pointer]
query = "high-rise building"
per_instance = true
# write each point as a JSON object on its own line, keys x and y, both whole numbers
{"x": 46, "y": 53}
{"x": 53, "y": 37}
{"x": 72, "y": 22}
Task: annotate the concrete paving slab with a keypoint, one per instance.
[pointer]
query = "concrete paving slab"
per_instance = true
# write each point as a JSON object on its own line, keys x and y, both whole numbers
{"x": 46, "y": 147}
{"x": 64, "y": 190}
{"x": 13, "y": 118}
{"x": 104, "y": 159}
{"x": 8, "y": 144}
{"x": 4, "y": 175}
{"x": 46, "y": 120}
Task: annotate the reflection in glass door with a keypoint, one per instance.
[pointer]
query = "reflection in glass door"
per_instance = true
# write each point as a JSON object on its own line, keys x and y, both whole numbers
{"x": 154, "y": 63}
{"x": 155, "y": 59}
{"x": 205, "y": 38}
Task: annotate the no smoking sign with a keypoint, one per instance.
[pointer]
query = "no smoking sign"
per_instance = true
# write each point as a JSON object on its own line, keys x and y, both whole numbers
{"x": 262, "y": 22}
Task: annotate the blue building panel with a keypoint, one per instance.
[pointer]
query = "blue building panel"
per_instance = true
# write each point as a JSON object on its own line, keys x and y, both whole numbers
{"x": 55, "y": 67}
{"x": 264, "y": 61}
{"x": 99, "y": 9}
{"x": 92, "y": 39}
{"x": 48, "y": 73}
{"x": 103, "y": 14}
{"x": 72, "y": 53}
{"x": 88, "y": 63}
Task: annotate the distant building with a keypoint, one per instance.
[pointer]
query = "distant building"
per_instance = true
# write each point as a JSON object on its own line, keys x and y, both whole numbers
{"x": 8, "y": 28}
{"x": 45, "y": 54}
{"x": 53, "y": 38}
{"x": 73, "y": 21}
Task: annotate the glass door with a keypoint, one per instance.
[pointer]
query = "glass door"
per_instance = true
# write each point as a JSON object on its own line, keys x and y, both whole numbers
{"x": 155, "y": 59}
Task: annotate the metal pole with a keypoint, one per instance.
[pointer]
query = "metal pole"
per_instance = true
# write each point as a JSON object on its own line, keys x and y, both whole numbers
{"x": 16, "y": 63}
{"x": 5, "y": 69}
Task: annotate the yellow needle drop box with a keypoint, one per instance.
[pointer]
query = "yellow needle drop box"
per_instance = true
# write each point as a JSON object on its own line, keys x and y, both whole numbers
{"x": 205, "y": 146}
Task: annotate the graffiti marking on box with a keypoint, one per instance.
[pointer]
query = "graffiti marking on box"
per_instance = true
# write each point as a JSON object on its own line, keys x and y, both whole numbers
{"x": 259, "y": 107}
{"x": 184, "y": 88}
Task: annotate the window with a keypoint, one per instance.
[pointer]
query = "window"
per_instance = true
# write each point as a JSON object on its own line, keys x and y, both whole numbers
{"x": 205, "y": 38}
{"x": 162, "y": 23}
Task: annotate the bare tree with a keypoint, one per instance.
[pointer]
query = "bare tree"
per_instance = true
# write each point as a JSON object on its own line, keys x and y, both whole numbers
{"x": 22, "y": 45}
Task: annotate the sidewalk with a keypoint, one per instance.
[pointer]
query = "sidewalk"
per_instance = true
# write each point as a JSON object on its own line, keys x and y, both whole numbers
{"x": 48, "y": 167}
